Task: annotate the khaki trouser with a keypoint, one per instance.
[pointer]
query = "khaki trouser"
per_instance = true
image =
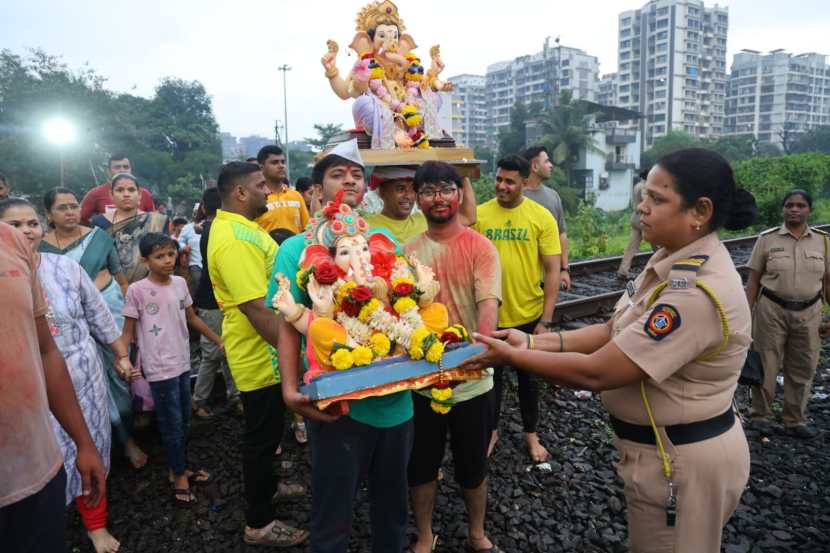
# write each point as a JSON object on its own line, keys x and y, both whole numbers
{"x": 789, "y": 341}
{"x": 635, "y": 236}
{"x": 709, "y": 478}
{"x": 213, "y": 361}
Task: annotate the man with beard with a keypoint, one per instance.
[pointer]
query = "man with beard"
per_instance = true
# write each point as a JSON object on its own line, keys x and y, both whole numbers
{"x": 527, "y": 239}
{"x": 467, "y": 267}
{"x": 99, "y": 199}
{"x": 535, "y": 189}
{"x": 240, "y": 260}
{"x": 285, "y": 207}
{"x": 374, "y": 440}
{"x": 394, "y": 186}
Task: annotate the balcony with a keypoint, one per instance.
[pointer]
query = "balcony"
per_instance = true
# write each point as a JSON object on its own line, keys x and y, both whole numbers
{"x": 620, "y": 136}
{"x": 618, "y": 163}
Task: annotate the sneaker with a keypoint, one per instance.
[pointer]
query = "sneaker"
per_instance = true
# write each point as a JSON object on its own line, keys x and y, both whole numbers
{"x": 801, "y": 431}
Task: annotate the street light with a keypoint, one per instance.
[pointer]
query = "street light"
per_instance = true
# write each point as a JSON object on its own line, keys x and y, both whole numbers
{"x": 60, "y": 132}
{"x": 285, "y": 69}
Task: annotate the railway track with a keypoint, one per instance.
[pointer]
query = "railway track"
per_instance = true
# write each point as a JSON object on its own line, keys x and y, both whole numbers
{"x": 597, "y": 288}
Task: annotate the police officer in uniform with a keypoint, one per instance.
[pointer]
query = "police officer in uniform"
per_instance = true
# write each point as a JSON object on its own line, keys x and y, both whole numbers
{"x": 668, "y": 362}
{"x": 789, "y": 269}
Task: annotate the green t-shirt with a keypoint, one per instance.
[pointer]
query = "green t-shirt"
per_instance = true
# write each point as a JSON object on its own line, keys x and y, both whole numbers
{"x": 404, "y": 230}
{"x": 380, "y": 412}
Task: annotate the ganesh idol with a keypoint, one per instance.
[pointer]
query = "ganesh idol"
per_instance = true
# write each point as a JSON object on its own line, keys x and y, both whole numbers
{"x": 396, "y": 100}
{"x": 368, "y": 303}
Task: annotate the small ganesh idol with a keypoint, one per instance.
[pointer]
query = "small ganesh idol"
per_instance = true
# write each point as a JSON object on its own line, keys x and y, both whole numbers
{"x": 395, "y": 99}
{"x": 367, "y": 303}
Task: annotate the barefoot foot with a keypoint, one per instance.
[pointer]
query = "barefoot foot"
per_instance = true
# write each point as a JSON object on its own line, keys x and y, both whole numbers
{"x": 134, "y": 453}
{"x": 494, "y": 438}
{"x": 537, "y": 451}
{"x": 103, "y": 542}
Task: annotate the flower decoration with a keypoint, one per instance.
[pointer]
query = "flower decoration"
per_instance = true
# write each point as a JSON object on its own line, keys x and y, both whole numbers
{"x": 381, "y": 345}
{"x": 342, "y": 359}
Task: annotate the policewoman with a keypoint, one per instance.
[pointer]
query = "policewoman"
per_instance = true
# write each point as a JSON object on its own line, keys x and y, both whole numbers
{"x": 668, "y": 361}
{"x": 789, "y": 268}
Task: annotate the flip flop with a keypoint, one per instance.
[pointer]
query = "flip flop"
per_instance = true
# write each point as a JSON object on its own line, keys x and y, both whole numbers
{"x": 300, "y": 433}
{"x": 199, "y": 476}
{"x": 178, "y": 492}
{"x": 289, "y": 492}
{"x": 281, "y": 535}
{"x": 469, "y": 549}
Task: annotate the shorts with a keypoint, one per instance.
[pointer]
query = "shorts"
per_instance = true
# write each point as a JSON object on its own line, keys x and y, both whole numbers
{"x": 468, "y": 424}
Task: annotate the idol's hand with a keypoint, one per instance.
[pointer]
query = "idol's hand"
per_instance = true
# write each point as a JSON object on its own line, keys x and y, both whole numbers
{"x": 321, "y": 296}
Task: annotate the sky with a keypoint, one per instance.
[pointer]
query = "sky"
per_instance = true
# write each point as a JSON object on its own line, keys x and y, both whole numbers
{"x": 235, "y": 47}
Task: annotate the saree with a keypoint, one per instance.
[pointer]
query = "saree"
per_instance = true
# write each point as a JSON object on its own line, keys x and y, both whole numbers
{"x": 127, "y": 234}
{"x": 93, "y": 252}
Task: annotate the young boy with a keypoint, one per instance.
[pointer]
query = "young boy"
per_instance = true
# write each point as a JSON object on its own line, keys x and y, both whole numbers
{"x": 157, "y": 310}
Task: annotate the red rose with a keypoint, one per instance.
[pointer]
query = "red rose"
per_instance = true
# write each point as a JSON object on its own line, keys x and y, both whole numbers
{"x": 361, "y": 294}
{"x": 326, "y": 273}
{"x": 350, "y": 308}
{"x": 404, "y": 289}
{"x": 450, "y": 338}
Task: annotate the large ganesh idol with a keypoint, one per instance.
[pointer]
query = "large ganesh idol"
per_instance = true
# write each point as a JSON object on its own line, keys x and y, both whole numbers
{"x": 396, "y": 101}
{"x": 367, "y": 304}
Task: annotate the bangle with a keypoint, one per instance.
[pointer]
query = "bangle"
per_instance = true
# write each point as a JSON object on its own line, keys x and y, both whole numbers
{"x": 565, "y": 270}
{"x": 529, "y": 341}
{"x": 297, "y": 317}
{"x": 561, "y": 341}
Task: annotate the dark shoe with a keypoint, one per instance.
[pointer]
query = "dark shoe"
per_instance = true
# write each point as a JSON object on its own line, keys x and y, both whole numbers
{"x": 802, "y": 431}
{"x": 762, "y": 426}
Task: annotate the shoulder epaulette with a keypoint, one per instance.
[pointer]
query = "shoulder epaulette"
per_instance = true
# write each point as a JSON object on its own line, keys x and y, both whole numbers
{"x": 819, "y": 231}
{"x": 692, "y": 263}
{"x": 771, "y": 230}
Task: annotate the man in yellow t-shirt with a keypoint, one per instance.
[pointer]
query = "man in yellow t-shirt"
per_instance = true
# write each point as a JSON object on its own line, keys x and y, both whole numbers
{"x": 394, "y": 186}
{"x": 285, "y": 207}
{"x": 527, "y": 238}
{"x": 240, "y": 259}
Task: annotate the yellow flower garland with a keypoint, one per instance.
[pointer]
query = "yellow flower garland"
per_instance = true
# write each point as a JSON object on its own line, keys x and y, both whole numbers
{"x": 402, "y": 305}
{"x": 435, "y": 351}
{"x": 380, "y": 344}
{"x": 342, "y": 359}
{"x": 368, "y": 309}
{"x": 362, "y": 355}
{"x": 440, "y": 408}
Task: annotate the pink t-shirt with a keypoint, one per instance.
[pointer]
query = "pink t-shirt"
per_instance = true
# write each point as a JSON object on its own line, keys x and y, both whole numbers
{"x": 29, "y": 454}
{"x": 161, "y": 326}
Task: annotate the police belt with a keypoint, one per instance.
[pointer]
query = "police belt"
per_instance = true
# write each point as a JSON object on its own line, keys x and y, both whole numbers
{"x": 679, "y": 434}
{"x": 790, "y": 305}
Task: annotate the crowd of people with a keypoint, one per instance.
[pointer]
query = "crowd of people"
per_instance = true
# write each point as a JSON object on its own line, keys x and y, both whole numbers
{"x": 112, "y": 306}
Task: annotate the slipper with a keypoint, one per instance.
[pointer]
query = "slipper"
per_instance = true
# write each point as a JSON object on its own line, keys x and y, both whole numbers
{"x": 178, "y": 492}
{"x": 469, "y": 549}
{"x": 281, "y": 535}
{"x": 202, "y": 412}
{"x": 288, "y": 492}
{"x": 199, "y": 476}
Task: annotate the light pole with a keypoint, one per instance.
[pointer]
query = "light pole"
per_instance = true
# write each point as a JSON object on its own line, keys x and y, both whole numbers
{"x": 285, "y": 69}
{"x": 59, "y": 132}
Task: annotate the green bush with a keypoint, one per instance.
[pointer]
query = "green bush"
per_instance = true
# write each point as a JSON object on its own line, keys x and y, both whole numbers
{"x": 769, "y": 178}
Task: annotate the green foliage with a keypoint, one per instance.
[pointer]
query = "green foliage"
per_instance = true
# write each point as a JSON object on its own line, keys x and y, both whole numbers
{"x": 733, "y": 148}
{"x": 301, "y": 164}
{"x": 489, "y": 157}
{"x": 185, "y": 192}
{"x": 769, "y": 178}
{"x": 593, "y": 232}
{"x": 565, "y": 132}
{"x": 167, "y": 137}
{"x": 671, "y": 142}
{"x": 571, "y": 198}
{"x": 816, "y": 140}
{"x": 512, "y": 139}
{"x": 324, "y": 134}
{"x": 485, "y": 189}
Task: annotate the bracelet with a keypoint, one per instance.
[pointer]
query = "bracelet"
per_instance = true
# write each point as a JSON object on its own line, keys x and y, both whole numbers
{"x": 529, "y": 341}
{"x": 561, "y": 341}
{"x": 565, "y": 270}
{"x": 300, "y": 313}
{"x": 332, "y": 72}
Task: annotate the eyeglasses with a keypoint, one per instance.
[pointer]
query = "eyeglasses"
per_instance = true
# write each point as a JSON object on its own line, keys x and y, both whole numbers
{"x": 446, "y": 192}
{"x": 66, "y": 207}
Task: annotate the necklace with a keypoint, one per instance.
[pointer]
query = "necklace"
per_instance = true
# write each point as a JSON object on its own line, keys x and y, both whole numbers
{"x": 58, "y": 240}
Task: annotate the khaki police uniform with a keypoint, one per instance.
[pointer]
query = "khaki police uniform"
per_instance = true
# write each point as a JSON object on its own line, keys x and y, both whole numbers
{"x": 786, "y": 322}
{"x": 678, "y": 340}
{"x": 635, "y": 234}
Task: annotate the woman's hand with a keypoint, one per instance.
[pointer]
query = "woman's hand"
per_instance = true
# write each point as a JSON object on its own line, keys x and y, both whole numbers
{"x": 500, "y": 349}
{"x": 126, "y": 369}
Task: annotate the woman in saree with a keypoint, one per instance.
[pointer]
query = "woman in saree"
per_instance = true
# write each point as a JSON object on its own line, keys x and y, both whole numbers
{"x": 94, "y": 250}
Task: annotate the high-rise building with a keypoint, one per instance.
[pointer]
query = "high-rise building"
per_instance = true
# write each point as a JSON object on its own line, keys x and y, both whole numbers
{"x": 250, "y": 145}
{"x": 469, "y": 110}
{"x": 775, "y": 97}
{"x": 538, "y": 78}
{"x": 230, "y": 146}
{"x": 672, "y": 67}
{"x": 607, "y": 90}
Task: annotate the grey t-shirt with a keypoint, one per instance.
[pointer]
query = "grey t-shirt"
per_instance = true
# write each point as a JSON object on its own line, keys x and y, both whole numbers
{"x": 551, "y": 201}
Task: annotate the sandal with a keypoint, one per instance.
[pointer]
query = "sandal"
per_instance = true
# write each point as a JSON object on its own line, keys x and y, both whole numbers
{"x": 199, "y": 476}
{"x": 280, "y": 535}
{"x": 300, "y": 433}
{"x": 179, "y": 492}
{"x": 288, "y": 492}
{"x": 469, "y": 548}
{"x": 202, "y": 412}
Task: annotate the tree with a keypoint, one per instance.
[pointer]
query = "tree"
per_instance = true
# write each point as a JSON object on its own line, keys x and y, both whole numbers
{"x": 512, "y": 139}
{"x": 815, "y": 140}
{"x": 324, "y": 133}
{"x": 671, "y": 142}
{"x": 565, "y": 132}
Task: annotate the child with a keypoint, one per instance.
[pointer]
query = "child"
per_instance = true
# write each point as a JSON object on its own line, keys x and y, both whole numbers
{"x": 157, "y": 310}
